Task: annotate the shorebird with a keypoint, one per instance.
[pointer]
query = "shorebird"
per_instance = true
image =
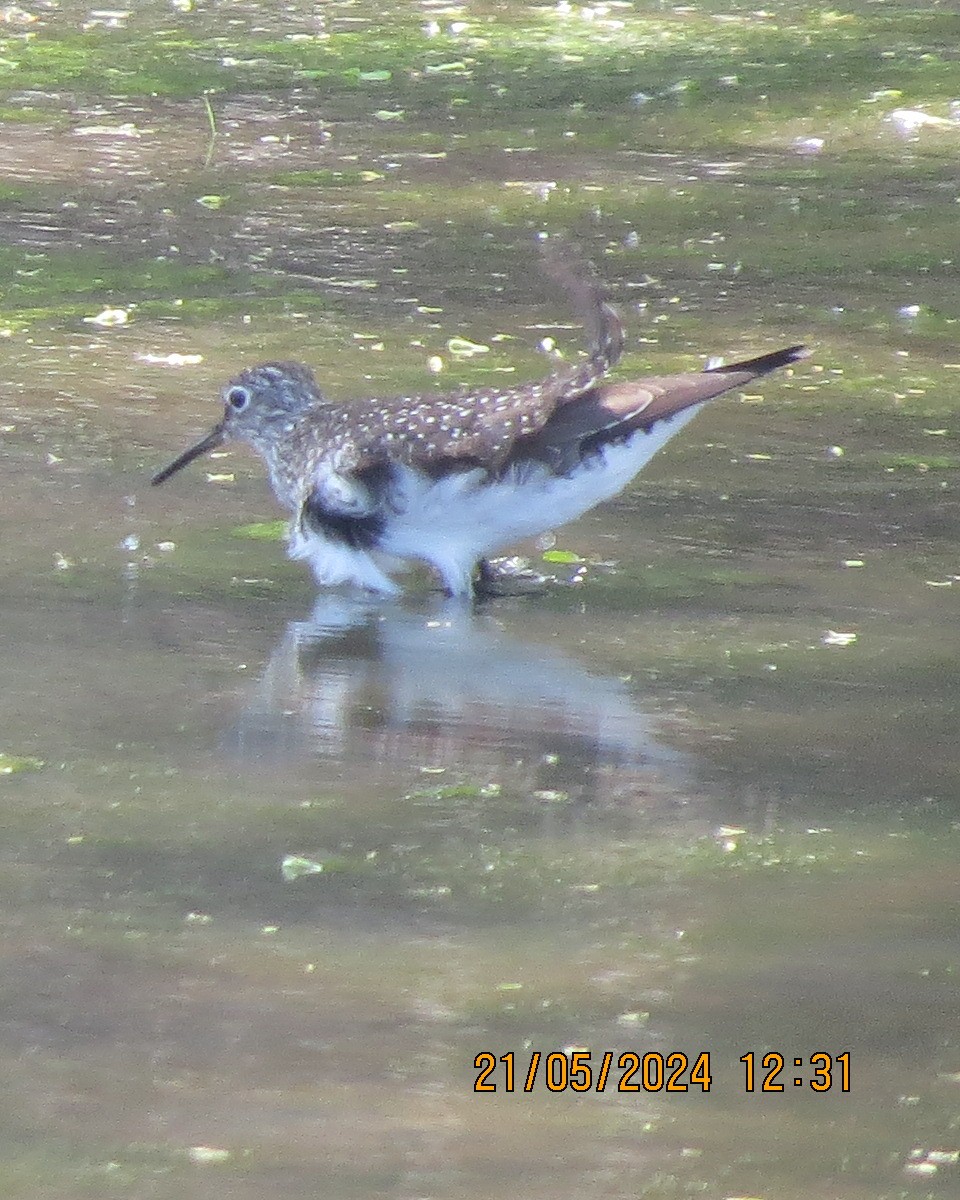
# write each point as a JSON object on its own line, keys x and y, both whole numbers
{"x": 451, "y": 479}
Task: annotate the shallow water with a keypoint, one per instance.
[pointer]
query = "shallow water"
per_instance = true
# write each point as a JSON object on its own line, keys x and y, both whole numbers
{"x": 276, "y": 867}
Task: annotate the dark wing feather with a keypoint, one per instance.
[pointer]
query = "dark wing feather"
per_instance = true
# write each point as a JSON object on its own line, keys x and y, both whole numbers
{"x": 614, "y": 411}
{"x": 347, "y": 508}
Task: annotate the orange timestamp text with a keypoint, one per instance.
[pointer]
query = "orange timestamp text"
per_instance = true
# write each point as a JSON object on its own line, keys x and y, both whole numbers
{"x": 580, "y": 1070}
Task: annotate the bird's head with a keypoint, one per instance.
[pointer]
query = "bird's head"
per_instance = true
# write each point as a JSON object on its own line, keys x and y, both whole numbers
{"x": 262, "y": 406}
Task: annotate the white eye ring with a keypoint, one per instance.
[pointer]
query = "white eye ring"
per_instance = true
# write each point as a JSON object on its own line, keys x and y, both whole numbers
{"x": 238, "y": 398}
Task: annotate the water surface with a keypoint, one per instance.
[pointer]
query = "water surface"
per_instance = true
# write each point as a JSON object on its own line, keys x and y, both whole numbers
{"x": 277, "y": 867}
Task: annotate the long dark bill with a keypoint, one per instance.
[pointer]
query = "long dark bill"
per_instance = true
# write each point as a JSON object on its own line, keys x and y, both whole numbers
{"x": 213, "y": 439}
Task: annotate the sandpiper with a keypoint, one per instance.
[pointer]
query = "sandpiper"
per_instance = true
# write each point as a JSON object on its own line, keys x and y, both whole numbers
{"x": 452, "y": 479}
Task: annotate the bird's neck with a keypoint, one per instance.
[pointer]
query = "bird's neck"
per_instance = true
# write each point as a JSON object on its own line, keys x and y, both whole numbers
{"x": 281, "y": 446}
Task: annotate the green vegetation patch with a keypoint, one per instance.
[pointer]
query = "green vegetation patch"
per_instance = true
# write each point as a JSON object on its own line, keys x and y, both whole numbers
{"x": 18, "y": 764}
{"x": 517, "y": 56}
{"x": 261, "y": 531}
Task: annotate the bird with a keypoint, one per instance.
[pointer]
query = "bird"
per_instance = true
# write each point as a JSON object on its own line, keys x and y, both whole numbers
{"x": 452, "y": 479}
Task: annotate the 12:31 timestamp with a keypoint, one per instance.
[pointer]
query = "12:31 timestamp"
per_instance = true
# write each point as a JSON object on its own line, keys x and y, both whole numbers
{"x": 821, "y": 1072}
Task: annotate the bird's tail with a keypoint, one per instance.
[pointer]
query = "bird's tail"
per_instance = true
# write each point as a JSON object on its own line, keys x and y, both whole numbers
{"x": 565, "y": 265}
{"x": 763, "y": 363}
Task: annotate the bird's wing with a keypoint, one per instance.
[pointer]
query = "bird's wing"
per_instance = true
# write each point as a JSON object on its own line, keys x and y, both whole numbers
{"x": 345, "y": 507}
{"x": 616, "y": 410}
{"x": 440, "y": 432}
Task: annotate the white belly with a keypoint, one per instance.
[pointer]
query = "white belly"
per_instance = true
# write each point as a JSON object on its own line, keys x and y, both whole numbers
{"x": 453, "y": 522}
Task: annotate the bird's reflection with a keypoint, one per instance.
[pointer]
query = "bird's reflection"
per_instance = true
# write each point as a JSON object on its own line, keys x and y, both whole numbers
{"x": 376, "y": 689}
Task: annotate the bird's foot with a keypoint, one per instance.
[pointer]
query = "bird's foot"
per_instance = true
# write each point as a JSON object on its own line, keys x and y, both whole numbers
{"x": 507, "y": 577}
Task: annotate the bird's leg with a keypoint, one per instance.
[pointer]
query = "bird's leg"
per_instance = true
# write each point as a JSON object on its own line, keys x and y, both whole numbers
{"x": 507, "y": 577}
{"x": 485, "y": 574}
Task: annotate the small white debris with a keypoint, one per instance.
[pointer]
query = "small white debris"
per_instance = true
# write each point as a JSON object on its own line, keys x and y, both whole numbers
{"x": 834, "y": 638}
{"x": 224, "y": 478}
{"x": 295, "y": 866}
{"x": 540, "y": 188}
{"x": 204, "y": 1155}
{"x": 61, "y": 562}
{"x": 853, "y": 562}
{"x": 808, "y": 145}
{"x": 108, "y": 18}
{"x": 166, "y": 547}
{"x": 131, "y": 542}
{"x": 909, "y": 311}
{"x": 171, "y": 360}
{"x": 13, "y": 15}
{"x": 126, "y": 130}
{"x": 909, "y": 120}
{"x": 835, "y": 452}
{"x": 109, "y": 316}
{"x": 434, "y": 364}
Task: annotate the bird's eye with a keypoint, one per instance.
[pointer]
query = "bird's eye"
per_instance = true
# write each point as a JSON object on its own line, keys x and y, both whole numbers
{"x": 238, "y": 398}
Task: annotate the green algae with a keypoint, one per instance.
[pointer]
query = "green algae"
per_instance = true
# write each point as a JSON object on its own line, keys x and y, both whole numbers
{"x": 525, "y": 58}
{"x": 18, "y": 764}
{"x": 262, "y": 531}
